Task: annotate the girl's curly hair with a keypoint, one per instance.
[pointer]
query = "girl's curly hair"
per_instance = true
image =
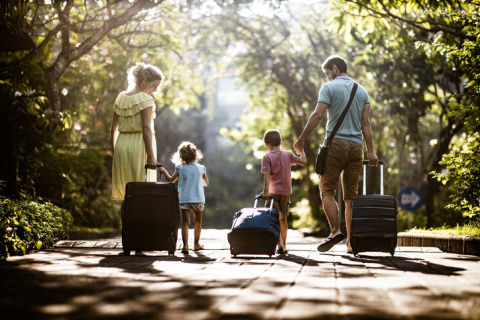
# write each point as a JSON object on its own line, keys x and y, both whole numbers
{"x": 187, "y": 152}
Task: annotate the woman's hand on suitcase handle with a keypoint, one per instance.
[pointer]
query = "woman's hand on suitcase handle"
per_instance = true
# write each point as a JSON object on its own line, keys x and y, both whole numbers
{"x": 151, "y": 163}
{"x": 154, "y": 166}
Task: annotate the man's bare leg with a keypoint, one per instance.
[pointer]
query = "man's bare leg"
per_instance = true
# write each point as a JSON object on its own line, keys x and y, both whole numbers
{"x": 331, "y": 211}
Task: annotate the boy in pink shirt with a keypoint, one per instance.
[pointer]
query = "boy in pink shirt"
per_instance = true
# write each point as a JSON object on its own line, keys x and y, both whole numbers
{"x": 276, "y": 165}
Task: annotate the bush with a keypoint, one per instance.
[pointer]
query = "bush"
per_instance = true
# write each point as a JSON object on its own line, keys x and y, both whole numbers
{"x": 28, "y": 225}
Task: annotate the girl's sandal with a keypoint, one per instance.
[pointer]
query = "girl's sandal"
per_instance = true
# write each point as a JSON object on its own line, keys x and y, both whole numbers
{"x": 185, "y": 251}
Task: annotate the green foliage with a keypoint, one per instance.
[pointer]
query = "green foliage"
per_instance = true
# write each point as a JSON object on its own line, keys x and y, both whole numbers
{"x": 66, "y": 160}
{"x": 302, "y": 217}
{"x": 446, "y": 217}
{"x": 421, "y": 88}
{"x": 25, "y": 114}
{"x": 463, "y": 175}
{"x": 462, "y": 172}
{"x": 469, "y": 229}
{"x": 26, "y": 226}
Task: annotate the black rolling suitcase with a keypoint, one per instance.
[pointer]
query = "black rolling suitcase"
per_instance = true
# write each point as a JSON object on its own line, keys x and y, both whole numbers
{"x": 374, "y": 220}
{"x": 254, "y": 230}
{"x": 151, "y": 216}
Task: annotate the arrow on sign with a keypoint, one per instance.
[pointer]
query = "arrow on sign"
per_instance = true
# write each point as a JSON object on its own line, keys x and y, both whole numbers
{"x": 411, "y": 199}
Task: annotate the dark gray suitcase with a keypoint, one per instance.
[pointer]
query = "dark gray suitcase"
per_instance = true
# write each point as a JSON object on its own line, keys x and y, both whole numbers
{"x": 255, "y": 230}
{"x": 374, "y": 220}
{"x": 151, "y": 217}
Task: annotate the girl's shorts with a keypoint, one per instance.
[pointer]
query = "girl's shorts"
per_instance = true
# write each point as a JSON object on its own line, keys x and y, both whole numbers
{"x": 192, "y": 206}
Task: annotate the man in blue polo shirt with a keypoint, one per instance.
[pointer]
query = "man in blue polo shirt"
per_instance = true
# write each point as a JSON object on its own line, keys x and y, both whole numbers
{"x": 345, "y": 153}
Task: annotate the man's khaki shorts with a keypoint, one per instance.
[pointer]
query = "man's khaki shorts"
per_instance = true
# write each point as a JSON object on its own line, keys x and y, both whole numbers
{"x": 347, "y": 156}
{"x": 281, "y": 204}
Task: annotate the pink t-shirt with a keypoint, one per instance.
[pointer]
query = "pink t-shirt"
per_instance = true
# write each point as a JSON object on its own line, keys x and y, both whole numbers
{"x": 279, "y": 164}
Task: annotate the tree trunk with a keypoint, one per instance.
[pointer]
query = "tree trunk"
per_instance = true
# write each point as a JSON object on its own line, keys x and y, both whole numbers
{"x": 431, "y": 188}
{"x": 53, "y": 93}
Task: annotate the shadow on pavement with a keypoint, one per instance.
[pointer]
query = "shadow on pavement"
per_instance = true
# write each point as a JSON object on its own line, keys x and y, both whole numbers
{"x": 71, "y": 285}
{"x": 407, "y": 264}
{"x": 31, "y": 294}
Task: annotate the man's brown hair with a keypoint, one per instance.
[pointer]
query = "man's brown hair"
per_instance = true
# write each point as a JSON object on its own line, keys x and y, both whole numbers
{"x": 272, "y": 137}
{"x": 335, "y": 60}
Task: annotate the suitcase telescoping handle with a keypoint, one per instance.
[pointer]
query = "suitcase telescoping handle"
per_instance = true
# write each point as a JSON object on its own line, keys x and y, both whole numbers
{"x": 365, "y": 162}
{"x": 259, "y": 196}
{"x": 158, "y": 166}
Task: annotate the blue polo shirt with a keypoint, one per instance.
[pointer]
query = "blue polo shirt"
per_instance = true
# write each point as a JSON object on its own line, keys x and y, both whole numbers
{"x": 336, "y": 94}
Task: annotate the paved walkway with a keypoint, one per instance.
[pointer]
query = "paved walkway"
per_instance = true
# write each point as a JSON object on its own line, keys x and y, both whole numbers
{"x": 89, "y": 280}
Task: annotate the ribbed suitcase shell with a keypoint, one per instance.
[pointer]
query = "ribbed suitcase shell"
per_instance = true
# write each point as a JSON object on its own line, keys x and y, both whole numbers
{"x": 254, "y": 231}
{"x": 374, "y": 221}
{"x": 152, "y": 215}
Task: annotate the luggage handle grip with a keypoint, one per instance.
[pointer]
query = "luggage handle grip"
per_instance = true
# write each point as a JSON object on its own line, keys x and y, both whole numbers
{"x": 158, "y": 166}
{"x": 365, "y": 162}
{"x": 258, "y": 196}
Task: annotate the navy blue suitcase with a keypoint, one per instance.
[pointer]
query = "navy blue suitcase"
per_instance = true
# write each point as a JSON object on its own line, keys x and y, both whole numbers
{"x": 151, "y": 217}
{"x": 254, "y": 231}
{"x": 374, "y": 220}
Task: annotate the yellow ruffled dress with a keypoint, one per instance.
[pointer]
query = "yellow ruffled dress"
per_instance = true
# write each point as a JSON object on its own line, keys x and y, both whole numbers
{"x": 130, "y": 156}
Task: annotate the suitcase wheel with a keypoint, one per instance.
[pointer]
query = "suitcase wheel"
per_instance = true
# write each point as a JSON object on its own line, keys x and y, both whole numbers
{"x": 126, "y": 252}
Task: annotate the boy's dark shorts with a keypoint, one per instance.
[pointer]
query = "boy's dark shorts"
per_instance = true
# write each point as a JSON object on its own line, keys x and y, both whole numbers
{"x": 281, "y": 204}
{"x": 343, "y": 156}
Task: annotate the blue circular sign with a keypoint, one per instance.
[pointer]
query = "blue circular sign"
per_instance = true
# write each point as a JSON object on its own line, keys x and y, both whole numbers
{"x": 410, "y": 198}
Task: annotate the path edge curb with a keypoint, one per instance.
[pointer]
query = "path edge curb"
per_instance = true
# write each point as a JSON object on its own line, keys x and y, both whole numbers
{"x": 469, "y": 245}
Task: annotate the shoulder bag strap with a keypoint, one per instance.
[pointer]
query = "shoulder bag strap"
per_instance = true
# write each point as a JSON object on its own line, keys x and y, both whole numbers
{"x": 342, "y": 116}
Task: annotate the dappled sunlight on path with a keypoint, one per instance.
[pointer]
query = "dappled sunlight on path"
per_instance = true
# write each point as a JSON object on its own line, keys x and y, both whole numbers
{"x": 96, "y": 283}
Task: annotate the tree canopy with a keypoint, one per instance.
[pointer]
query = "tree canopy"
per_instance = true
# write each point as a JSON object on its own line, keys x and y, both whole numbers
{"x": 63, "y": 63}
{"x": 422, "y": 84}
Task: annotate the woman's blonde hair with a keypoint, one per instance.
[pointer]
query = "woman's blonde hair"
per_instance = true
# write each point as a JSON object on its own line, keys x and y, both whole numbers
{"x": 141, "y": 75}
{"x": 187, "y": 152}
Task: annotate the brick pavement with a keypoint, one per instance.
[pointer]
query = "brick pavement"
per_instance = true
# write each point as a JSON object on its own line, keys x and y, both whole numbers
{"x": 89, "y": 280}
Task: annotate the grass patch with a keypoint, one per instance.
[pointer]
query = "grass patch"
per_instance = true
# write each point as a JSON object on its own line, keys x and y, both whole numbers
{"x": 81, "y": 228}
{"x": 470, "y": 229}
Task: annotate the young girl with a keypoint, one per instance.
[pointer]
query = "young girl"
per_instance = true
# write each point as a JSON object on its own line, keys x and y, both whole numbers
{"x": 192, "y": 178}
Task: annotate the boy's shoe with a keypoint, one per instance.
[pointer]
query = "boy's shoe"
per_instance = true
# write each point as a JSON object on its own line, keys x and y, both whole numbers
{"x": 282, "y": 251}
{"x": 328, "y": 243}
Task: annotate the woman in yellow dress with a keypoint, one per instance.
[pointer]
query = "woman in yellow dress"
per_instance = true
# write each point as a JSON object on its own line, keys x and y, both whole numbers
{"x": 132, "y": 131}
